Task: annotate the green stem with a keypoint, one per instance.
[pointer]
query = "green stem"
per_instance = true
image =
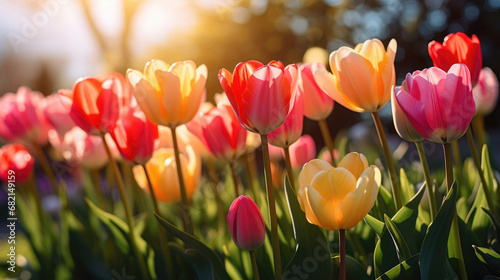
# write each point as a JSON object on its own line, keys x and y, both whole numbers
{"x": 235, "y": 178}
{"x": 428, "y": 180}
{"x": 254, "y": 265}
{"x": 249, "y": 161}
{"x": 342, "y": 256}
{"x": 289, "y": 168}
{"x": 46, "y": 167}
{"x": 396, "y": 192}
{"x": 457, "y": 158}
{"x": 328, "y": 139}
{"x": 478, "y": 125}
{"x": 455, "y": 248}
{"x": 212, "y": 175}
{"x": 96, "y": 180}
{"x": 272, "y": 208}
{"x": 475, "y": 158}
{"x": 184, "y": 206}
{"x": 128, "y": 212}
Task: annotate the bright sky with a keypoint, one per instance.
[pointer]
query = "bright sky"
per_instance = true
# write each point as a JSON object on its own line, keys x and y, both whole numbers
{"x": 56, "y": 30}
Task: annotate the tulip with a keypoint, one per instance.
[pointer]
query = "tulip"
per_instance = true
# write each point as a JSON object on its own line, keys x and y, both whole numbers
{"x": 317, "y": 104}
{"x": 221, "y": 132}
{"x": 98, "y": 103}
{"x": 169, "y": 95}
{"x": 135, "y": 136}
{"x": 162, "y": 171}
{"x": 403, "y": 127}
{"x": 291, "y": 129}
{"x": 338, "y": 198}
{"x": 458, "y": 48}
{"x": 362, "y": 77}
{"x": 261, "y": 95}
{"x": 16, "y": 163}
{"x": 21, "y": 117}
{"x": 486, "y": 92}
{"x": 302, "y": 151}
{"x": 438, "y": 105}
{"x": 57, "y": 111}
{"x": 246, "y": 224}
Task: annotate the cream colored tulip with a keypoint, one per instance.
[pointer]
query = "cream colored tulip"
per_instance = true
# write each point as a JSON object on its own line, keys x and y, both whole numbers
{"x": 169, "y": 95}
{"x": 361, "y": 78}
{"x": 338, "y": 198}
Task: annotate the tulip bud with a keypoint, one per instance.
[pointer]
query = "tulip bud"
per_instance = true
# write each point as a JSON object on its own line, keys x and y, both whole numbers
{"x": 486, "y": 92}
{"x": 246, "y": 224}
{"x": 302, "y": 151}
{"x": 16, "y": 163}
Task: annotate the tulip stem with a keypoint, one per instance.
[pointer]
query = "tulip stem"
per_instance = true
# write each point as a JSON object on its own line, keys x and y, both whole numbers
{"x": 249, "y": 159}
{"x": 272, "y": 208}
{"x": 161, "y": 231}
{"x": 342, "y": 256}
{"x": 328, "y": 139}
{"x": 184, "y": 207}
{"x": 212, "y": 175}
{"x": 254, "y": 265}
{"x": 289, "y": 168}
{"x": 128, "y": 212}
{"x": 475, "y": 158}
{"x": 428, "y": 180}
{"x": 478, "y": 125}
{"x": 396, "y": 192}
{"x": 96, "y": 180}
{"x": 457, "y": 158}
{"x": 235, "y": 178}
{"x": 46, "y": 167}
{"x": 455, "y": 248}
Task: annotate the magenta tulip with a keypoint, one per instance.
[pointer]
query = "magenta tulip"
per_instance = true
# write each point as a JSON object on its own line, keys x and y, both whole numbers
{"x": 246, "y": 224}
{"x": 439, "y": 105}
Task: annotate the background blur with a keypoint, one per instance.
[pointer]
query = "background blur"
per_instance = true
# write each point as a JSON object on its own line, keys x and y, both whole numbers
{"x": 48, "y": 44}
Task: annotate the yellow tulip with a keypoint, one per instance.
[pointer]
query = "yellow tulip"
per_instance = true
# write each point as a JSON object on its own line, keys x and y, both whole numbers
{"x": 362, "y": 77}
{"x": 169, "y": 95}
{"x": 162, "y": 171}
{"x": 338, "y": 197}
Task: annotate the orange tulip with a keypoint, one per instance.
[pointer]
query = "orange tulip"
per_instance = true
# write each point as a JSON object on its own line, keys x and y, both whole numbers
{"x": 362, "y": 77}
{"x": 169, "y": 95}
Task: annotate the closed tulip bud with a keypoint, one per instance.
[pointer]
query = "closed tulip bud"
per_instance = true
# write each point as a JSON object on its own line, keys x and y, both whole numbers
{"x": 261, "y": 95}
{"x": 21, "y": 117}
{"x": 16, "y": 163}
{"x": 458, "y": 48}
{"x": 169, "y": 95}
{"x": 162, "y": 171}
{"x": 361, "y": 78}
{"x": 338, "y": 198}
{"x": 486, "y": 92}
{"x": 291, "y": 129}
{"x": 302, "y": 151}
{"x": 317, "y": 104}
{"x": 439, "y": 105}
{"x": 403, "y": 127}
{"x": 246, "y": 224}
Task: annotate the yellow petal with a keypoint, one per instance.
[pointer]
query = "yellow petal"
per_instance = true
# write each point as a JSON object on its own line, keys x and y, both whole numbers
{"x": 310, "y": 169}
{"x": 150, "y": 70}
{"x": 373, "y": 50}
{"x": 327, "y": 213}
{"x": 342, "y": 182}
{"x": 306, "y": 207}
{"x": 146, "y": 96}
{"x": 356, "y": 163}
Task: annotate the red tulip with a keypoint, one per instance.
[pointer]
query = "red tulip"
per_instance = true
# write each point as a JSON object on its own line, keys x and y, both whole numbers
{"x": 246, "y": 224}
{"x": 221, "y": 132}
{"x": 291, "y": 129}
{"x": 98, "y": 103}
{"x": 21, "y": 117}
{"x": 261, "y": 95}
{"x": 439, "y": 105}
{"x": 317, "y": 104}
{"x": 302, "y": 151}
{"x": 458, "y": 48}
{"x": 16, "y": 163}
{"x": 135, "y": 136}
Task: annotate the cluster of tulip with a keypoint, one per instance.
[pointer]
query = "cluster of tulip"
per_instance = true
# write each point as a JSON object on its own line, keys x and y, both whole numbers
{"x": 157, "y": 121}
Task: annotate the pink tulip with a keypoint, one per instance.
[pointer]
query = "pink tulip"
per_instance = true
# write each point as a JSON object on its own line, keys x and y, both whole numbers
{"x": 317, "y": 104}
{"x": 221, "y": 132}
{"x": 21, "y": 117}
{"x": 439, "y": 105}
{"x": 16, "y": 163}
{"x": 57, "y": 111}
{"x": 135, "y": 136}
{"x": 302, "y": 151}
{"x": 486, "y": 92}
{"x": 291, "y": 129}
{"x": 246, "y": 224}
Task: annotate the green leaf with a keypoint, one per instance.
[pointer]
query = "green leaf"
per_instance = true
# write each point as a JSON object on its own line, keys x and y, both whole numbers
{"x": 192, "y": 242}
{"x": 385, "y": 203}
{"x": 433, "y": 258}
{"x": 354, "y": 269}
{"x": 375, "y": 224}
{"x": 406, "y": 270}
{"x": 399, "y": 242}
{"x": 496, "y": 225}
{"x": 489, "y": 257}
{"x": 407, "y": 190}
{"x": 311, "y": 244}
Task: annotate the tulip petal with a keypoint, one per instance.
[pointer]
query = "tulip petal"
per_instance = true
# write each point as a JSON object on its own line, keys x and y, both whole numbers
{"x": 356, "y": 163}
{"x": 328, "y": 213}
{"x": 249, "y": 222}
{"x": 306, "y": 207}
{"x": 310, "y": 169}
{"x": 150, "y": 71}
{"x": 242, "y": 73}
{"x": 328, "y": 83}
{"x": 146, "y": 97}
